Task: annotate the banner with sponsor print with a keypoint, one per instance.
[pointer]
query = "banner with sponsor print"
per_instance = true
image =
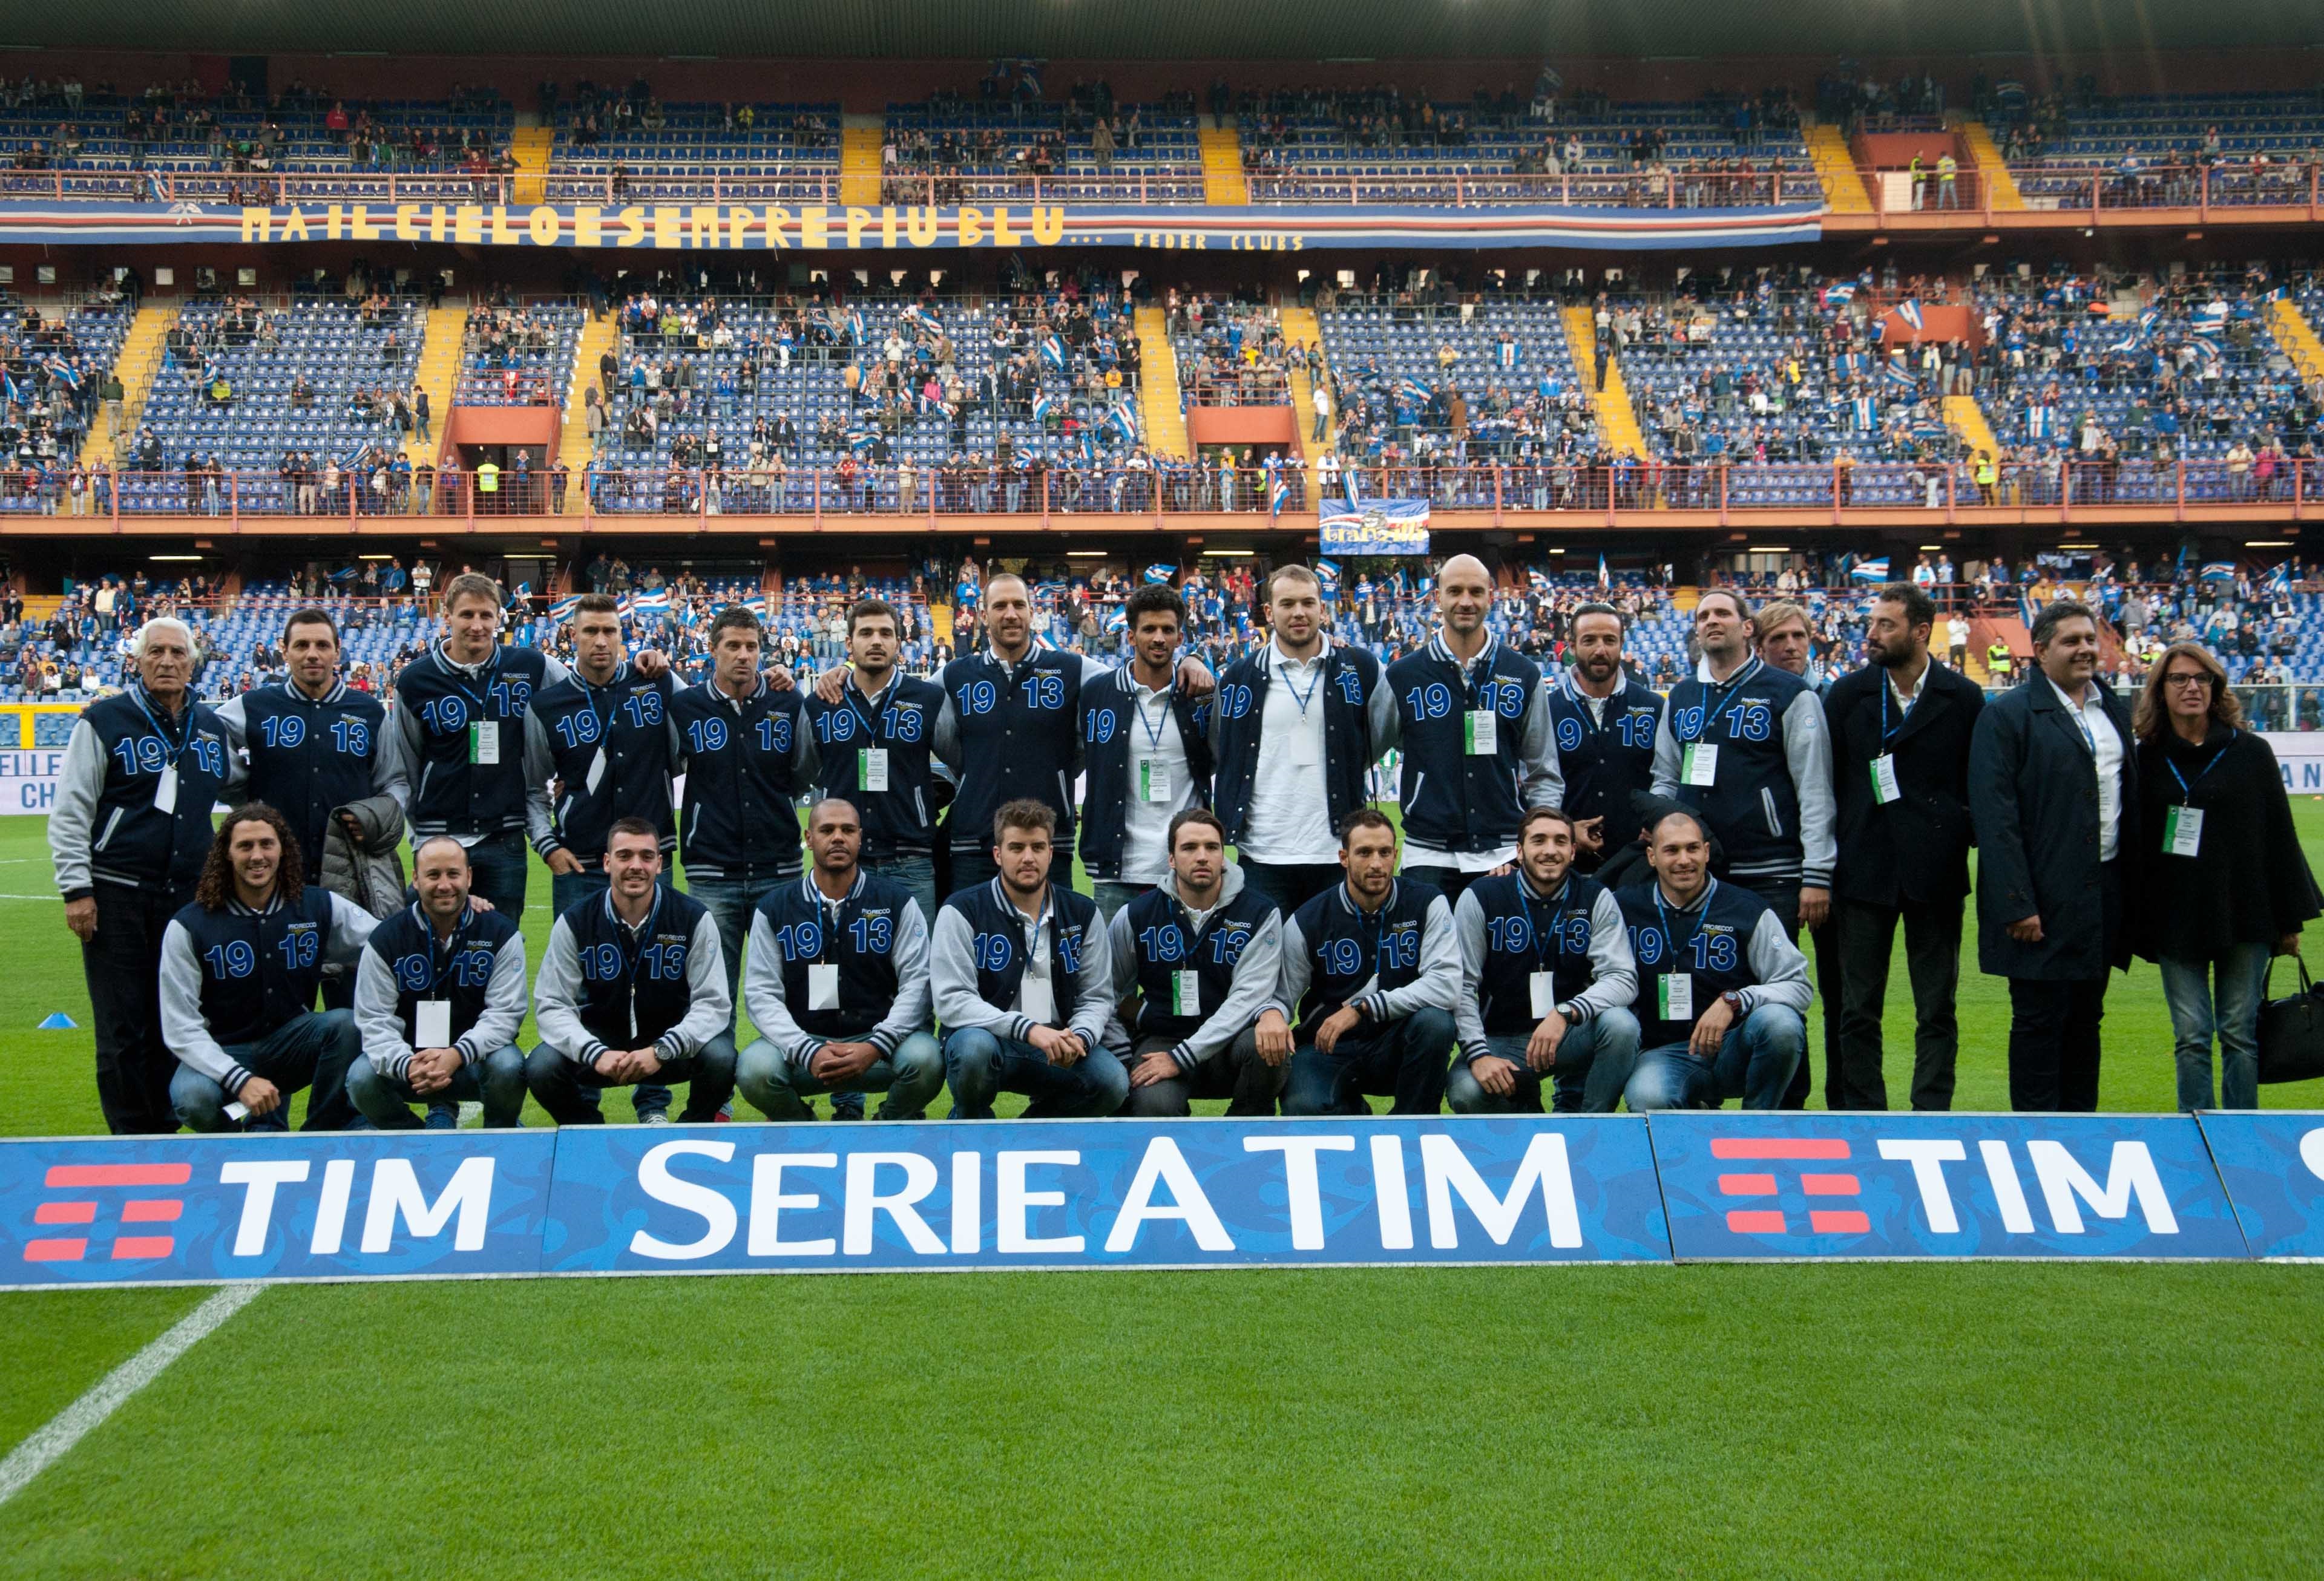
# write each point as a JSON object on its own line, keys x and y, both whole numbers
{"x": 2272, "y": 1164}
{"x": 814, "y": 228}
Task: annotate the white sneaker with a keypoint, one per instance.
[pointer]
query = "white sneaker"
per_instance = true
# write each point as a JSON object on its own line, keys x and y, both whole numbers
{"x": 655, "y": 1118}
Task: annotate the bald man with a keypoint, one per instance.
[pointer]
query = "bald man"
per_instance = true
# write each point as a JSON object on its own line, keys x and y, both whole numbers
{"x": 1472, "y": 718}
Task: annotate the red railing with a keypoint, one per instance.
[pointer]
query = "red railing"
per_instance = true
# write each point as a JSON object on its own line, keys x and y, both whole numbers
{"x": 2094, "y": 190}
{"x": 1701, "y": 494}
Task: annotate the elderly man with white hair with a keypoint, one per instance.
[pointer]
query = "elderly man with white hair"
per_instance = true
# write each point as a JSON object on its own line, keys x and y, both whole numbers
{"x": 129, "y": 831}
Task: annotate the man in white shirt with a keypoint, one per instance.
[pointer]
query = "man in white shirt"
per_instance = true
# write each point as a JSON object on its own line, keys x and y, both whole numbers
{"x": 1296, "y": 729}
{"x": 2053, "y": 793}
{"x": 1145, "y": 752}
{"x": 1957, "y": 640}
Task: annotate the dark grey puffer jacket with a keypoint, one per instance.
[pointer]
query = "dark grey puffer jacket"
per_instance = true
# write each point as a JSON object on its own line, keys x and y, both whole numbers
{"x": 367, "y": 870}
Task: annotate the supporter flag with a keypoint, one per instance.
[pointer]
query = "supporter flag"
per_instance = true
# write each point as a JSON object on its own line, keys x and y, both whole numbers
{"x": 1124, "y": 421}
{"x": 928, "y": 399}
{"x": 8, "y": 386}
{"x": 861, "y": 439}
{"x": 1412, "y": 392}
{"x": 1028, "y": 78}
{"x": 1278, "y": 489}
{"x": 1909, "y": 310}
{"x": 1604, "y": 578}
{"x": 1053, "y": 351}
{"x": 60, "y": 368}
{"x": 1161, "y": 574}
{"x": 1896, "y": 373}
{"x": 2280, "y": 579}
{"x": 1862, "y": 414}
{"x": 1539, "y": 579}
{"x": 1839, "y": 293}
{"x": 1870, "y": 570}
{"x": 562, "y": 609}
{"x": 1327, "y": 574}
{"x": 1119, "y": 620}
{"x": 920, "y": 318}
{"x": 2217, "y": 570}
{"x": 650, "y": 603}
{"x": 757, "y": 604}
{"x": 1042, "y": 404}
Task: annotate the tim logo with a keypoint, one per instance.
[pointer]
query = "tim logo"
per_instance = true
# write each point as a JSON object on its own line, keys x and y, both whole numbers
{"x": 1803, "y": 1155}
{"x": 113, "y": 1206}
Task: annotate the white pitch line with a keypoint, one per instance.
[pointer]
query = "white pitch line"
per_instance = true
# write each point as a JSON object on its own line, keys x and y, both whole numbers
{"x": 70, "y": 1426}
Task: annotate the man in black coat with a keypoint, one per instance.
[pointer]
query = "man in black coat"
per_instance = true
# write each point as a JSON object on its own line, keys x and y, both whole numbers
{"x": 2053, "y": 792}
{"x": 1899, "y": 729}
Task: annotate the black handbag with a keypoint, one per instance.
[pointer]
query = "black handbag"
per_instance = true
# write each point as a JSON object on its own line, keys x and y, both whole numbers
{"x": 2291, "y": 1034}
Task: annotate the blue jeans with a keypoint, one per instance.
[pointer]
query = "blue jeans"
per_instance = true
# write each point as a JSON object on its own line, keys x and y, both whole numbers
{"x": 567, "y": 890}
{"x": 498, "y": 863}
{"x": 978, "y": 1064}
{"x": 1292, "y": 885}
{"x": 1111, "y": 894}
{"x": 780, "y": 1085}
{"x": 915, "y": 871}
{"x": 2233, "y": 1014}
{"x": 568, "y": 1089}
{"x": 498, "y": 1084}
{"x": 1755, "y": 1064}
{"x": 973, "y": 868}
{"x": 1593, "y": 1065}
{"x": 1405, "y": 1060}
{"x": 316, "y": 1048}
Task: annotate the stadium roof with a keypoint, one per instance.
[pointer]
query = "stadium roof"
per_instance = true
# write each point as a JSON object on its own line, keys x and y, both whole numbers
{"x": 1101, "y": 30}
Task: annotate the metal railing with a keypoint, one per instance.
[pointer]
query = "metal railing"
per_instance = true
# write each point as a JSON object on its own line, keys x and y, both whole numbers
{"x": 1643, "y": 492}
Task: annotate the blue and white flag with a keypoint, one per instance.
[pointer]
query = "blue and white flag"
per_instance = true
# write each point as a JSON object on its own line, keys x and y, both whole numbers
{"x": 757, "y": 604}
{"x": 2217, "y": 570}
{"x": 1377, "y": 527}
{"x": 1909, "y": 310}
{"x": 1327, "y": 573}
{"x": 60, "y": 368}
{"x": 650, "y": 603}
{"x": 2280, "y": 579}
{"x": 1053, "y": 350}
{"x": 861, "y": 439}
{"x": 1124, "y": 421}
{"x": 1604, "y": 578}
{"x": 1119, "y": 620}
{"x": 1028, "y": 78}
{"x": 1839, "y": 293}
{"x": 1862, "y": 414}
{"x": 1870, "y": 570}
{"x": 1042, "y": 403}
{"x": 1160, "y": 575}
{"x": 1278, "y": 489}
{"x": 855, "y": 326}
{"x": 1896, "y": 374}
{"x": 8, "y": 386}
{"x": 564, "y": 607}
{"x": 1412, "y": 392}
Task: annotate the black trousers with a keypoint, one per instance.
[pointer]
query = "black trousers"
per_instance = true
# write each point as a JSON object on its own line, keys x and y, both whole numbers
{"x": 1783, "y": 898}
{"x": 1867, "y": 937}
{"x": 1450, "y": 882}
{"x": 2053, "y": 1025}
{"x": 123, "y": 966}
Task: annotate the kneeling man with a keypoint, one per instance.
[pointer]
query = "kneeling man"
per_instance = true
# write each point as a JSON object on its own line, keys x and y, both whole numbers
{"x": 1722, "y": 991}
{"x": 439, "y": 999}
{"x": 838, "y": 984}
{"x": 240, "y": 967}
{"x": 1197, "y": 958}
{"x": 633, "y": 989}
{"x": 1024, "y": 984}
{"x": 1546, "y": 981}
{"x": 1370, "y": 967}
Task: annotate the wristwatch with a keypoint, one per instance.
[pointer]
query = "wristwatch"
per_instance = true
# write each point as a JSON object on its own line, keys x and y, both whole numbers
{"x": 1733, "y": 1001}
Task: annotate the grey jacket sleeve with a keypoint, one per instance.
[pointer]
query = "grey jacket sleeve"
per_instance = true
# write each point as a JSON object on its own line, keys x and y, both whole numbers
{"x": 1667, "y": 756}
{"x": 1469, "y": 1010}
{"x": 183, "y": 1029}
{"x": 233, "y": 718}
{"x": 1291, "y": 979}
{"x": 389, "y": 777}
{"x": 539, "y": 769}
{"x": 1781, "y": 969}
{"x": 763, "y": 995}
{"x": 1255, "y": 974}
{"x": 351, "y": 930}
{"x": 951, "y": 978}
{"x": 943, "y": 741}
{"x": 1544, "y": 776}
{"x": 1381, "y": 713}
{"x": 1093, "y": 1004}
{"x": 555, "y": 999}
{"x": 1613, "y": 969}
{"x": 406, "y": 742}
{"x": 554, "y": 671}
{"x": 72, "y": 816}
{"x": 503, "y": 1014}
{"x": 1807, "y": 747}
{"x": 383, "y": 1029}
{"x": 1437, "y": 987}
{"x": 909, "y": 1012}
{"x": 709, "y": 1007}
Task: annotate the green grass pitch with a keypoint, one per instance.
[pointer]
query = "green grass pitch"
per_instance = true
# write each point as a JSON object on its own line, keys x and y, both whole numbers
{"x": 1838, "y": 1421}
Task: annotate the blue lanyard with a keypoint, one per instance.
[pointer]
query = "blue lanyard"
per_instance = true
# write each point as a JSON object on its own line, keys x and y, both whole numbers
{"x": 1292, "y": 686}
{"x": 1887, "y": 735}
{"x": 492, "y": 671}
{"x": 1669, "y": 940}
{"x": 2074, "y": 710}
{"x": 1556, "y": 920}
{"x": 186, "y": 731}
{"x": 849, "y": 695}
{"x": 589, "y": 694}
{"x": 2187, "y": 786}
{"x": 437, "y": 972}
{"x": 632, "y": 953}
{"x": 1718, "y": 697}
{"x": 1169, "y": 697}
{"x": 1590, "y": 724}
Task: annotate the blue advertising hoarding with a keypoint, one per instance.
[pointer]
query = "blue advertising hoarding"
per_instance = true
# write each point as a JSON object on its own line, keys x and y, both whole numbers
{"x": 1104, "y": 1194}
{"x": 349, "y": 1205}
{"x": 2272, "y": 1167}
{"x": 1781, "y": 1187}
